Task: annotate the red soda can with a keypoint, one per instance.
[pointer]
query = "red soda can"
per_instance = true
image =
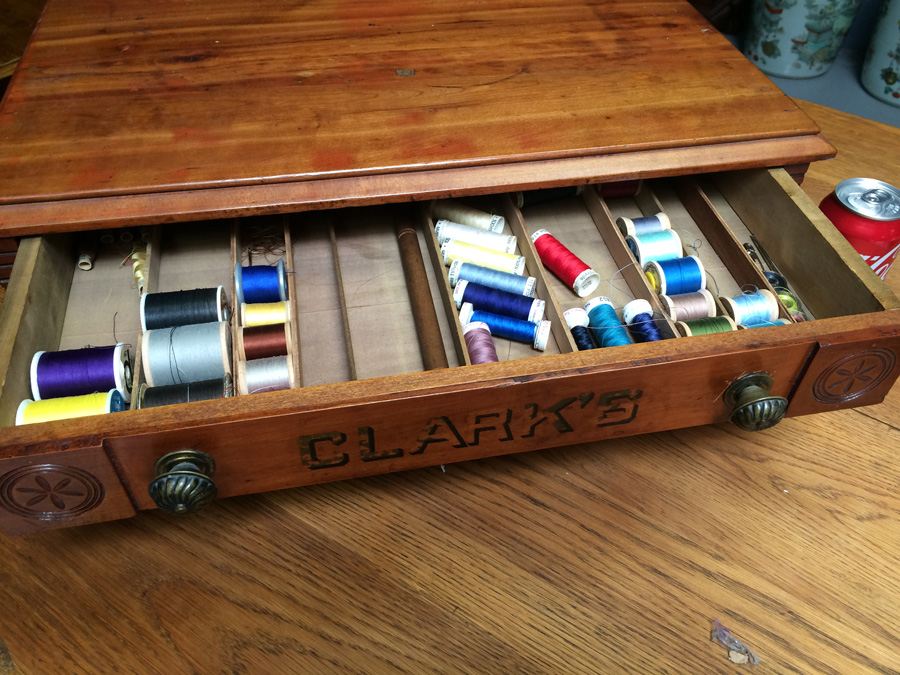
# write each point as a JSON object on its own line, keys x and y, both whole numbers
{"x": 867, "y": 212}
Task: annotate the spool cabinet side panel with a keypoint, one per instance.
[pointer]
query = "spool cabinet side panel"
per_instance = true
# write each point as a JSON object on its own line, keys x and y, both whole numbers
{"x": 506, "y": 416}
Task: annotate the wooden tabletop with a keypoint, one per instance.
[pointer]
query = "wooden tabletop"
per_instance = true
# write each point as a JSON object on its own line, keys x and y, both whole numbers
{"x": 133, "y": 97}
{"x": 591, "y": 558}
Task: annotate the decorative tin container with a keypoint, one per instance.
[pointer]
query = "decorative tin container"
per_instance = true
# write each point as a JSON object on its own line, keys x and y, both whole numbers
{"x": 794, "y": 38}
{"x": 881, "y": 70}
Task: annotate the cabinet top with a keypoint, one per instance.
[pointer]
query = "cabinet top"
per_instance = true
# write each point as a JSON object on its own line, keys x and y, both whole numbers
{"x": 133, "y": 98}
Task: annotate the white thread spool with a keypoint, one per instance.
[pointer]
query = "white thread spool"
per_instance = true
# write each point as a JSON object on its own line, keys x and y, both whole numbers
{"x": 262, "y": 375}
{"x": 447, "y": 229}
{"x": 460, "y": 213}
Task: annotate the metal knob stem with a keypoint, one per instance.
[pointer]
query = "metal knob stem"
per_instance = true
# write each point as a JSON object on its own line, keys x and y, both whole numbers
{"x": 183, "y": 482}
{"x": 753, "y": 408}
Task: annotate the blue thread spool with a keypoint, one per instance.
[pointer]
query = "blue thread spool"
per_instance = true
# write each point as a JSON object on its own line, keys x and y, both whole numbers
{"x": 636, "y": 227}
{"x": 674, "y": 277}
{"x": 605, "y": 325}
{"x": 499, "y": 302}
{"x": 260, "y": 283}
{"x": 536, "y": 334}
{"x": 752, "y": 308}
{"x": 655, "y": 246}
{"x": 577, "y": 321}
{"x": 75, "y": 372}
{"x": 638, "y": 315}
{"x": 502, "y": 281}
{"x": 766, "y": 324}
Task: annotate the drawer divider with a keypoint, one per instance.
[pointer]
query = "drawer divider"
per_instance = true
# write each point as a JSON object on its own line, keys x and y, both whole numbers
{"x": 295, "y": 346}
{"x": 342, "y": 298}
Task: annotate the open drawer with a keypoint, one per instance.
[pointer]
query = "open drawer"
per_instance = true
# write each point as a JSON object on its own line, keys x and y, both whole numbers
{"x": 360, "y": 402}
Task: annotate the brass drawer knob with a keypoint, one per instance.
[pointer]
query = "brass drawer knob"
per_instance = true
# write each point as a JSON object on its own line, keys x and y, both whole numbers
{"x": 183, "y": 482}
{"x": 753, "y": 408}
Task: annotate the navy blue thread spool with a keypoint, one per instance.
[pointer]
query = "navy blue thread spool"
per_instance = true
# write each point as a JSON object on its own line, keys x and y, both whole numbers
{"x": 577, "y": 321}
{"x": 655, "y": 246}
{"x": 676, "y": 277}
{"x": 634, "y": 227}
{"x": 638, "y": 315}
{"x": 183, "y": 308}
{"x": 502, "y": 281}
{"x": 205, "y": 390}
{"x": 74, "y": 372}
{"x": 605, "y": 326}
{"x": 536, "y": 334}
{"x": 260, "y": 283}
{"x": 499, "y": 302}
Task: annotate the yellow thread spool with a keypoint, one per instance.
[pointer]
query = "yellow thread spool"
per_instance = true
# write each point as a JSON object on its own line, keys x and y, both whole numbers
{"x": 454, "y": 249}
{"x": 68, "y": 407}
{"x": 653, "y": 277}
{"x": 265, "y": 313}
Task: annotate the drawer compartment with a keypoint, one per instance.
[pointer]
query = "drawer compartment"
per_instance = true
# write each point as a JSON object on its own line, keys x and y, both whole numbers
{"x": 361, "y": 402}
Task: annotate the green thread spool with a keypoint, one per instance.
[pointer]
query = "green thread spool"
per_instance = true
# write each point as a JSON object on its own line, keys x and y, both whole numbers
{"x": 788, "y": 300}
{"x": 708, "y": 326}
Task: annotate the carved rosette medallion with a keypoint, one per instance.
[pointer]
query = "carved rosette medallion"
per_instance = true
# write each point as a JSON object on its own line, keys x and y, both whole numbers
{"x": 854, "y": 376}
{"x": 49, "y": 492}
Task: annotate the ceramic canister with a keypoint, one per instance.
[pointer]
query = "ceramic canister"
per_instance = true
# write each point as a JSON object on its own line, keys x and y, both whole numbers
{"x": 797, "y": 38}
{"x": 881, "y": 70}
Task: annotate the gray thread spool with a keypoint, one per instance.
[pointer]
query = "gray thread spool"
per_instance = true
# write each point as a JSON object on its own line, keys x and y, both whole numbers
{"x": 187, "y": 353}
{"x": 261, "y": 375}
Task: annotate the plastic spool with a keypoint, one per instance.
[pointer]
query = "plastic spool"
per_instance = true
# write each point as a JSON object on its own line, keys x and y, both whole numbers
{"x": 178, "y": 361}
{"x": 584, "y": 283}
{"x": 502, "y": 281}
{"x": 578, "y": 321}
{"x": 479, "y": 343}
{"x": 656, "y": 276}
{"x": 452, "y": 250}
{"x": 685, "y": 328}
{"x": 122, "y": 372}
{"x": 534, "y": 314}
{"x": 602, "y": 334}
{"x": 69, "y": 407}
{"x": 765, "y": 300}
{"x": 655, "y": 246}
{"x": 676, "y": 306}
{"x": 445, "y": 230}
{"x": 265, "y": 313}
{"x": 239, "y": 281}
{"x": 223, "y": 313}
{"x": 632, "y": 227}
{"x": 497, "y": 322}
{"x": 460, "y": 213}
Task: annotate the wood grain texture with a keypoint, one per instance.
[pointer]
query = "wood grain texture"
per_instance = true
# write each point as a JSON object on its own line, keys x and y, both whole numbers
{"x": 605, "y": 557}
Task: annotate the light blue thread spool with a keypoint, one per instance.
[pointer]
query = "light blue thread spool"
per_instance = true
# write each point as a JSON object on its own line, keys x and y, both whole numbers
{"x": 502, "y": 281}
{"x": 655, "y": 246}
{"x": 635, "y": 227}
{"x": 752, "y": 308}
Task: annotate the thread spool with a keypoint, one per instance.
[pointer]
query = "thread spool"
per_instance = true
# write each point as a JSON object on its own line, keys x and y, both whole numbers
{"x": 183, "y": 308}
{"x": 605, "y": 325}
{"x": 565, "y": 265}
{"x": 479, "y": 343}
{"x": 749, "y": 308}
{"x": 260, "y": 283}
{"x": 186, "y": 353}
{"x": 536, "y": 334}
{"x": 577, "y": 321}
{"x": 502, "y": 281}
{"x": 790, "y": 301}
{"x": 768, "y": 324}
{"x": 511, "y": 263}
{"x": 636, "y": 227}
{"x": 260, "y": 342}
{"x": 775, "y": 279}
{"x": 87, "y": 251}
{"x": 676, "y": 277}
{"x": 139, "y": 269}
{"x": 69, "y": 407}
{"x": 623, "y": 188}
{"x": 535, "y": 197}
{"x": 655, "y": 246}
{"x": 496, "y": 241}
{"x": 265, "y": 313}
{"x": 708, "y": 326}
{"x": 499, "y": 302}
{"x": 638, "y": 316}
{"x": 206, "y": 390}
{"x": 689, "y": 306}
{"x": 262, "y": 375}
{"x": 458, "y": 212}
{"x": 74, "y": 372}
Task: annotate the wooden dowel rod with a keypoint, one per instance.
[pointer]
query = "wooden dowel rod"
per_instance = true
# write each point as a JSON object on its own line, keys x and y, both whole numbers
{"x": 428, "y": 330}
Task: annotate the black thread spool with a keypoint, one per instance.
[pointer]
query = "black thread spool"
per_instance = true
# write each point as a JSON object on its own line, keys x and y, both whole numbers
{"x": 170, "y": 394}
{"x": 183, "y": 308}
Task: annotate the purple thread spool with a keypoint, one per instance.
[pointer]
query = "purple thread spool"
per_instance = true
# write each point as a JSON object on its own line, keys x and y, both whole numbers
{"x": 479, "y": 343}
{"x": 74, "y": 372}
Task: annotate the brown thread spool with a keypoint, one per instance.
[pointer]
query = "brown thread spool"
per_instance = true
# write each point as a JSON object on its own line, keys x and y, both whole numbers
{"x": 260, "y": 342}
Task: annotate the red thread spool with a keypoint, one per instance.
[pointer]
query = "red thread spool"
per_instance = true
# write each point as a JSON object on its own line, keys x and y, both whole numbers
{"x": 261, "y": 342}
{"x": 568, "y": 267}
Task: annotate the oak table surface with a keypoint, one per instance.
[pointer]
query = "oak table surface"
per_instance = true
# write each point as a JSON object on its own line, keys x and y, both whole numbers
{"x": 597, "y": 557}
